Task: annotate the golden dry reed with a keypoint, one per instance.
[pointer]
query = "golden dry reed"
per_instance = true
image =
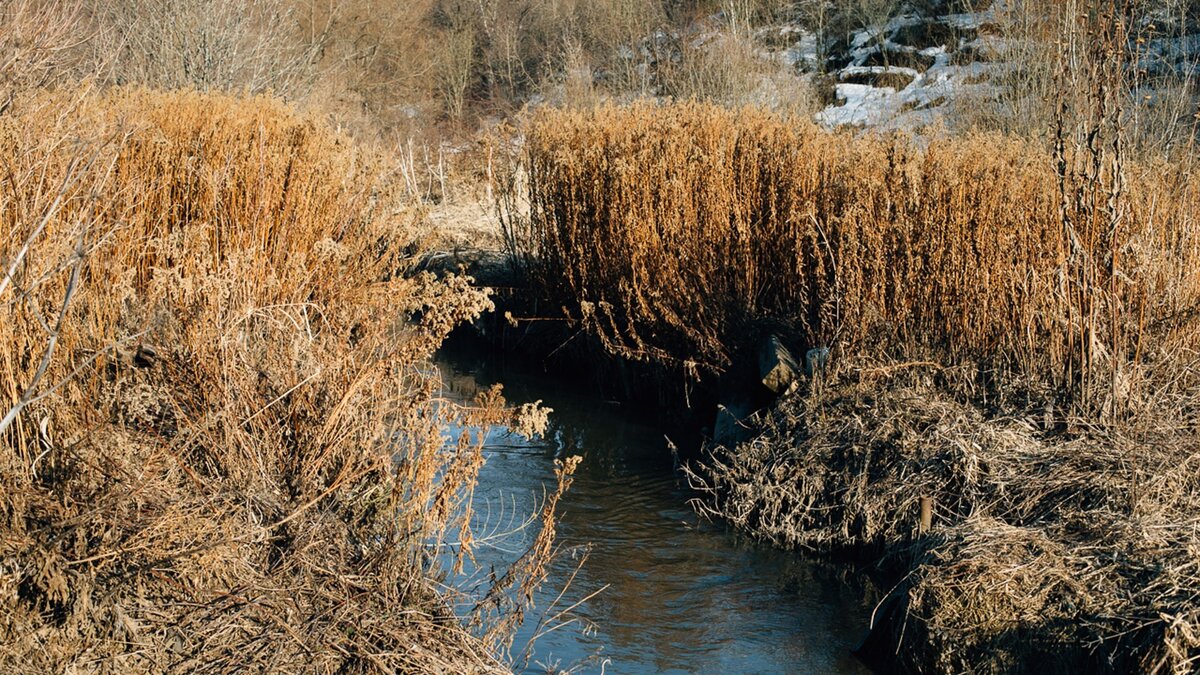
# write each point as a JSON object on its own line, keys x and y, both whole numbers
{"x": 679, "y": 231}
{"x": 219, "y": 450}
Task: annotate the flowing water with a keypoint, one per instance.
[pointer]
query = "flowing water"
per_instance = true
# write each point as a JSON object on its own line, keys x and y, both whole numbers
{"x": 673, "y": 593}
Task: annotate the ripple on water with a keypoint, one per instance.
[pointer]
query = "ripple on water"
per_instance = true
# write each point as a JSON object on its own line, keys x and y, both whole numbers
{"x": 681, "y": 595}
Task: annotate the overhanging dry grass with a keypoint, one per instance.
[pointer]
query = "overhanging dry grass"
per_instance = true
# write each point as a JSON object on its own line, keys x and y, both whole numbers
{"x": 223, "y": 455}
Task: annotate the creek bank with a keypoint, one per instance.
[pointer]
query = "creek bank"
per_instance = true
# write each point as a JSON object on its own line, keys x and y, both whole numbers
{"x": 525, "y": 332}
{"x": 1012, "y": 540}
{"x": 1048, "y": 547}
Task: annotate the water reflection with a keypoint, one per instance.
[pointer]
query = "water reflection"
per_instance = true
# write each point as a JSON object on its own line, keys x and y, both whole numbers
{"x": 680, "y": 594}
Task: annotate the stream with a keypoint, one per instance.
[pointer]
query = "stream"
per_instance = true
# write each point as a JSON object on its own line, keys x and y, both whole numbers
{"x": 660, "y": 589}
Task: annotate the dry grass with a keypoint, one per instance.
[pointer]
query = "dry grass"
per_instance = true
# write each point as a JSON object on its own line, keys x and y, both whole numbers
{"x": 1014, "y": 335}
{"x": 222, "y": 453}
{"x": 1050, "y": 47}
{"x": 678, "y": 232}
{"x": 1056, "y": 546}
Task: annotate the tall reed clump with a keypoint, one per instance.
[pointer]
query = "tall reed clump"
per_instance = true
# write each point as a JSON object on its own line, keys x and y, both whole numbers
{"x": 679, "y": 232}
{"x": 218, "y": 451}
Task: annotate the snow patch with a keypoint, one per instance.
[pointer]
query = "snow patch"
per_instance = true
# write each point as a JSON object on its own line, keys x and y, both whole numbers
{"x": 970, "y": 20}
{"x": 864, "y": 105}
{"x": 803, "y": 53}
{"x": 851, "y": 71}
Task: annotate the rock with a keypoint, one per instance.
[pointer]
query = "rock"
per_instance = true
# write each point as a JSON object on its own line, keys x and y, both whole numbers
{"x": 816, "y": 360}
{"x": 881, "y": 78}
{"x": 142, "y": 356}
{"x": 777, "y": 366}
{"x": 729, "y": 428}
{"x": 931, "y": 33}
{"x": 145, "y": 356}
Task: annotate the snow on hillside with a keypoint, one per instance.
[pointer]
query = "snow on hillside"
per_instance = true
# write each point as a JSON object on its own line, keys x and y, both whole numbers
{"x": 911, "y": 71}
{"x": 904, "y": 73}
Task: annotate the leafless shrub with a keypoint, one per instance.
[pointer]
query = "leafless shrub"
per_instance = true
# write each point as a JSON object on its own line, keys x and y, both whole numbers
{"x": 455, "y": 69}
{"x": 253, "y": 46}
{"x": 37, "y": 40}
{"x": 732, "y": 71}
{"x": 1048, "y": 51}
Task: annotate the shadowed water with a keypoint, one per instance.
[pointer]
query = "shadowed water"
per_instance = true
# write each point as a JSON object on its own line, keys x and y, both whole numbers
{"x": 674, "y": 593}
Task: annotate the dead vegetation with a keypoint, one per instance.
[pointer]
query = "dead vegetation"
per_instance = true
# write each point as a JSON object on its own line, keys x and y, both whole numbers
{"x": 218, "y": 450}
{"x": 976, "y": 249}
{"x": 1056, "y": 546}
{"x": 1014, "y": 344}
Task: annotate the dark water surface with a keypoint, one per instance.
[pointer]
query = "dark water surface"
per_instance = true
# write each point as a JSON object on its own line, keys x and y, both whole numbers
{"x": 674, "y": 593}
